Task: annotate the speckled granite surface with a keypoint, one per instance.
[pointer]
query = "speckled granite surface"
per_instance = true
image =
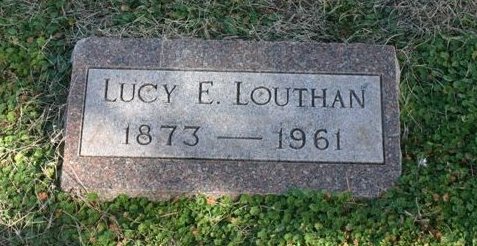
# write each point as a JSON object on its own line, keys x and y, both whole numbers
{"x": 164, "y": 178}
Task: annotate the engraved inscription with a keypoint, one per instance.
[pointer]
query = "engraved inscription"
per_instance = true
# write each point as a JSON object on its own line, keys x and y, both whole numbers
{"x": 323, "y": 118}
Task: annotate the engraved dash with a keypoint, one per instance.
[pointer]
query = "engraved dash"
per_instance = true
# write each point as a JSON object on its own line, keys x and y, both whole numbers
{"x": 239, "y": 138}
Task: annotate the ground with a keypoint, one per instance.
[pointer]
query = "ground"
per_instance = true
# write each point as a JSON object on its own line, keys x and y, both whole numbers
{"x": 434, "y": 201}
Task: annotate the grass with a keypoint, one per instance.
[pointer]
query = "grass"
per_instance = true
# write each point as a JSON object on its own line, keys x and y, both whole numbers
{"x": 433, "y": 203}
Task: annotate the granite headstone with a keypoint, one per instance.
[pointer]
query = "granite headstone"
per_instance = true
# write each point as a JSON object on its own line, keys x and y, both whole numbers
{"x": 160, "y": 118}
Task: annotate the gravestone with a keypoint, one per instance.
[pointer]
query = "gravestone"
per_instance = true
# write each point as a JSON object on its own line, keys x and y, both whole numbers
{"x": 160, "y": 118}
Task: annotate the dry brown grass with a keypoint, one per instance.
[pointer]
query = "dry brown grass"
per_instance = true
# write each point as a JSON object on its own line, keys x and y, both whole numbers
{"x": 322, "y": 20}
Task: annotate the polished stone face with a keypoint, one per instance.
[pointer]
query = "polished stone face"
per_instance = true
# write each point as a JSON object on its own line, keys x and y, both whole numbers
{"x": 233, "y": 116}
{"x": 160, "y": 118}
